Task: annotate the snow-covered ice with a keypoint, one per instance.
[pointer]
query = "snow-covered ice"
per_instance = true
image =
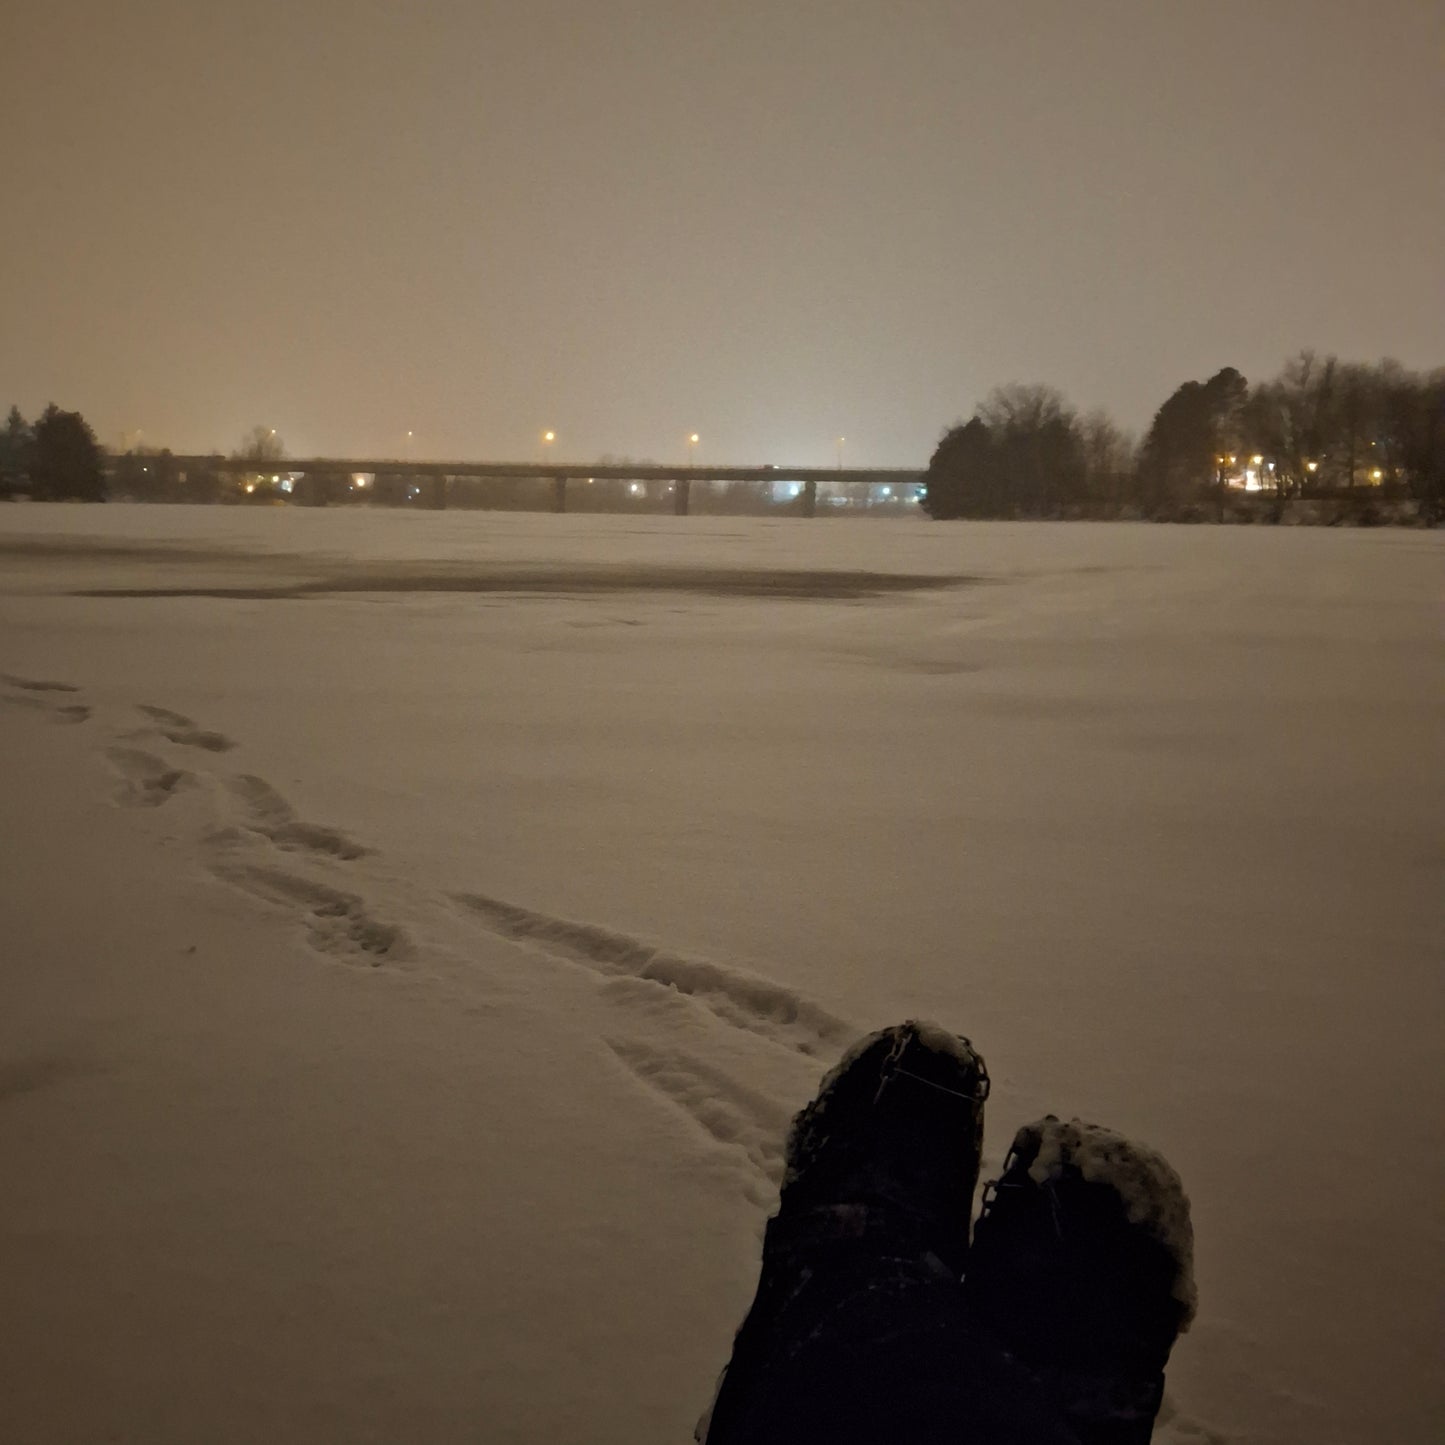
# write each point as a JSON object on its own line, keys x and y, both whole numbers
{"x": 417, "y": 931}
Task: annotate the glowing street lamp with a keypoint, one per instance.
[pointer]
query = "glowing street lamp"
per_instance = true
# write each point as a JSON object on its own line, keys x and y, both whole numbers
{"x": 841, "y": 440}
{"x": 692, "y": 442}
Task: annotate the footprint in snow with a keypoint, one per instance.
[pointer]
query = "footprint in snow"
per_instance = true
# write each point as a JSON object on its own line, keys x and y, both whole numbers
{"x": 31, "y": 684}
{"x": 741, "y": 1000}
{"x": 45, "y": 698}
{"x": 146, "y": 780}
{"x": 337, "y": 922}
{"x": 266, "y": 812}
{"x": 726, "y": 1110}
{"x": 177, "y": 728}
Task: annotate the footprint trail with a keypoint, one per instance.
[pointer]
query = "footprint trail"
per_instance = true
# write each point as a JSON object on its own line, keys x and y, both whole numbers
{"x": 263, "y": 849}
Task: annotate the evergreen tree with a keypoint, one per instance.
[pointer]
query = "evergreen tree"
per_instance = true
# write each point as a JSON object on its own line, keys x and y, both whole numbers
{"x": 16, "y": 440}
{"x": 1201, "y": 422}
{"x": 961, "y": 480}
{"x": 66, "y": 461}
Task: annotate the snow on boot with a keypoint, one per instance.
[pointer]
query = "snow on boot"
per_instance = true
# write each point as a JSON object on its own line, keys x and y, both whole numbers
{"x": 1082, "y": 1265}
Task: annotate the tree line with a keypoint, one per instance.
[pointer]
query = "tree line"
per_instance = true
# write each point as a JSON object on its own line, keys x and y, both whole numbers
{"x": 58, "y": 459}
{"x": 1321, "y": 428}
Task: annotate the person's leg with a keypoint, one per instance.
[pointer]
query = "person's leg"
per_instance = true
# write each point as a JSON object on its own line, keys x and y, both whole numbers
{"x": 1082, "y": 1265}
{"x": 859, "y": 1331}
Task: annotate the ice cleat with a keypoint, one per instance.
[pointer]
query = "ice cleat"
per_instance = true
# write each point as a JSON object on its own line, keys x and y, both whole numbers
{"x": 1082, "y": 1266}
{"x": 893, "y": 1134}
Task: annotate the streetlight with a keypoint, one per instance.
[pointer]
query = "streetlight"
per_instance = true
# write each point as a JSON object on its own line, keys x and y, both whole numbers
{"x": 841, "y": 440}
{"x": 692, "y": 442}
{"x": 545, "y": 450}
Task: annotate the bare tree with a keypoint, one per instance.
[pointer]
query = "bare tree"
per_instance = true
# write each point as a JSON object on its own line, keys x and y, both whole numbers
{"x": 260, "y": 444}
{"x": 1109, "y": 458}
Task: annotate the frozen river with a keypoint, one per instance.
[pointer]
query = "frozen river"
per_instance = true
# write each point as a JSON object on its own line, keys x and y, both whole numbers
{"x": 422, "y": 926}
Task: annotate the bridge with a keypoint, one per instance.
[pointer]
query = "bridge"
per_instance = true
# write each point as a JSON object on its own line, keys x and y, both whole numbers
{"x": 438, "y": 475}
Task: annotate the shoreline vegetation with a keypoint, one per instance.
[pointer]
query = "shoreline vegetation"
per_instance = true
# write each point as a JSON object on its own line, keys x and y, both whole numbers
{"x": 1322, "y": 443}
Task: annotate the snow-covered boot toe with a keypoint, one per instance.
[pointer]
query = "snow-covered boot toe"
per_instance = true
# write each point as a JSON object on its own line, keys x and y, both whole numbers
{"x": 1082, "y": 1266}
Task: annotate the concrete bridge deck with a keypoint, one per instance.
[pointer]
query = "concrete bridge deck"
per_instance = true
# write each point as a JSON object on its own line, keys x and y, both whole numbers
{"x": 681, "y": 476}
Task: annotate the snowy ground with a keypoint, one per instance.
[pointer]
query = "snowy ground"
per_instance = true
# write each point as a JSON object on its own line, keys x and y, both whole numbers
{"x": 418, "y": 929}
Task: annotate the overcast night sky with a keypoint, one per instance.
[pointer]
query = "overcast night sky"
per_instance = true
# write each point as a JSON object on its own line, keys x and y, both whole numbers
{"x": 772, "y": 223}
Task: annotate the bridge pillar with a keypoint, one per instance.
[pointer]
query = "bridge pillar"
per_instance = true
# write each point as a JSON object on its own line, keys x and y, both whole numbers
{"x": 559, "y": 494}
{"x": 439, "y": 494}
{"x": 680, "y": 490}
{"x": 810, "y": 499}
{"x": 311, "y": 490}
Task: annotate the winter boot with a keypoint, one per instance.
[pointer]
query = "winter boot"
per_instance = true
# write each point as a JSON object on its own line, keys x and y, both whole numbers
{"x": 1082, "y": 1266}
{"x": 859, "y": 1331}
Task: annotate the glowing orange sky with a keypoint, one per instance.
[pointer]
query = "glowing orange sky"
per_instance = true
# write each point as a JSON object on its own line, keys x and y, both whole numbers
{"x": 768, "y": 222}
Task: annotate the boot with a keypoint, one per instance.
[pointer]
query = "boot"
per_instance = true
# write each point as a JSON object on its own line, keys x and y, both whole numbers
{"x": 1082, "y": 1267}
